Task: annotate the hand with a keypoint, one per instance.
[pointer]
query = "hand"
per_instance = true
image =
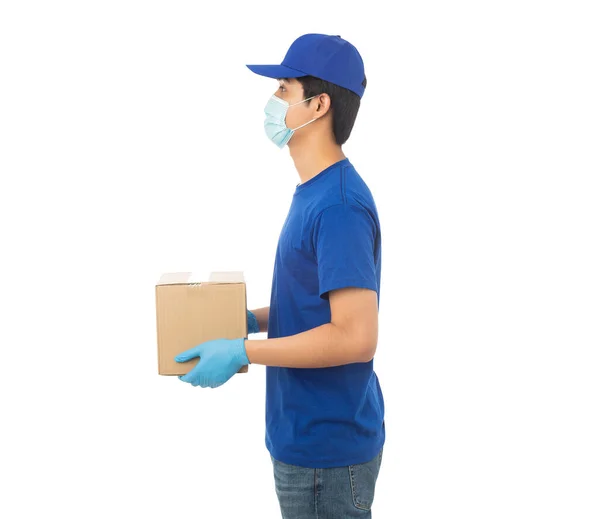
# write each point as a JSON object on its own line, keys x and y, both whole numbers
{"x": 219, "y": 361}
{"x": 253, "y": 326}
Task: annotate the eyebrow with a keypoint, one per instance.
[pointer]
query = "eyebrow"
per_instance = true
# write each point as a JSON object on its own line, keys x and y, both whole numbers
{"x": 282, "y": 79}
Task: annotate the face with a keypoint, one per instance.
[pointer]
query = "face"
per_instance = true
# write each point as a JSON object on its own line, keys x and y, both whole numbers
{"x": 291, "y": 90}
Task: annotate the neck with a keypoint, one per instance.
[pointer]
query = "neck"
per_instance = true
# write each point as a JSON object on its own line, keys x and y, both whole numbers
{"x": 312, "y": 157}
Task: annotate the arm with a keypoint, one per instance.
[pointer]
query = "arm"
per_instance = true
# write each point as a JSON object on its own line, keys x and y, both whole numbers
{"x": 350, "y": 337}
{"x": 344, "y": 244}
{"x": 262, "y": 316}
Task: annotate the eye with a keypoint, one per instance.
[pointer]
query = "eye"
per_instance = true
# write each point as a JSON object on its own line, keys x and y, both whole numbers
{"x": 281, "y": 88}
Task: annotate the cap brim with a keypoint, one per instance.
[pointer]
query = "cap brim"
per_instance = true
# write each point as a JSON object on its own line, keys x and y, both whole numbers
{"x": 275, "y": 71}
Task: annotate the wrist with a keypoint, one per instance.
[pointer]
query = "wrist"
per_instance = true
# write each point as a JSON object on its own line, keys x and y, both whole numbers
{"x": 244, "y": 348}
{"x": 253, "y": 324}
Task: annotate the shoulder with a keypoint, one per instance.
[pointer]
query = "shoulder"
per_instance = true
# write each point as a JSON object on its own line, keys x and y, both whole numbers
{"x": 346, "y": 188}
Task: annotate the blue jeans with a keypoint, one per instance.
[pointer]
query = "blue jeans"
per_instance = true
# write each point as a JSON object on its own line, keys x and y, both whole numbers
{"x": 333, "y": 493}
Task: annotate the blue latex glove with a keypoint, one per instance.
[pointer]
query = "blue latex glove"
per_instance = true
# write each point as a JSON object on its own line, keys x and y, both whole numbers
{"x": 219, "y": 361}
{"x": 252, "y": 323}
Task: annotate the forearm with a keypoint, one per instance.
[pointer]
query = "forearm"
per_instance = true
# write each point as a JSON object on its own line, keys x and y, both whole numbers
{"x": 262, "y": 316}
{"x": 325, "y": 346}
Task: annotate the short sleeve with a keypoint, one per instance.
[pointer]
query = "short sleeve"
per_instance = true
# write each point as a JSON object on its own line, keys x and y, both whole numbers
{"x": 344, "y": 245}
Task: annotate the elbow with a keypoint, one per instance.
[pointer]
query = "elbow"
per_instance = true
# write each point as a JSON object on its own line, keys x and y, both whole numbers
{"x": 358, "y": 343}
{"x": 366, "y": 348}
{"x": 368, "y": 352}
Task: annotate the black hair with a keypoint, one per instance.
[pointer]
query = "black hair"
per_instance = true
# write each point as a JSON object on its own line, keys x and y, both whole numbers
{"x": 344, "y": 104}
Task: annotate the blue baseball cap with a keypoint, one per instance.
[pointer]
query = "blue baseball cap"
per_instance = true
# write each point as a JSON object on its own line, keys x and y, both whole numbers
{"x": 329, "y": 58}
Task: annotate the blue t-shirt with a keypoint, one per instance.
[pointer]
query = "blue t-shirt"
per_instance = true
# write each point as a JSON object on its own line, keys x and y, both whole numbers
{"x": 331, "y": 239}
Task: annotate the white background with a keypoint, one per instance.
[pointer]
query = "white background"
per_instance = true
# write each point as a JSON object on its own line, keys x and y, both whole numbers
{"x": 132, "y": 144}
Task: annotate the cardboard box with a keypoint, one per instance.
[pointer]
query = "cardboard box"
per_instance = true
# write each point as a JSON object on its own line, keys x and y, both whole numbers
{"x": 190, "y": 312}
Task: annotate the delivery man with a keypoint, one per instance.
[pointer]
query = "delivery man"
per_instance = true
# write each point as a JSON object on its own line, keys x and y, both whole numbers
{"x": 325, "y": 426}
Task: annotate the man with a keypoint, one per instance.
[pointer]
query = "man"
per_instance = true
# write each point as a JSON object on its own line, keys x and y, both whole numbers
{"x": 325, "y": 425}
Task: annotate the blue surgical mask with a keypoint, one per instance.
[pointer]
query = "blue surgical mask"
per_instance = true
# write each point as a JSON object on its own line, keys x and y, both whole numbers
{"x": 275, "y": 127}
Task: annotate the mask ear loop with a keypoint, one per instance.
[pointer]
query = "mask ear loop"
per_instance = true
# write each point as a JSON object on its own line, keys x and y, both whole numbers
{"x": 302, "y": 126}
{"x": 304, "y": 101}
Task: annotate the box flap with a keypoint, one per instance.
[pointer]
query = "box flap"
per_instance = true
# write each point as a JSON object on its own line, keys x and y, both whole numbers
{"x": 226, "y": 277}
{"x": 174, "y": 278}
{"x": 183, "y": 278}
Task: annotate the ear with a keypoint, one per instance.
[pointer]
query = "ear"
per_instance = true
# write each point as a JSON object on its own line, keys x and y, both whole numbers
{"x": 323, "y": 104}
